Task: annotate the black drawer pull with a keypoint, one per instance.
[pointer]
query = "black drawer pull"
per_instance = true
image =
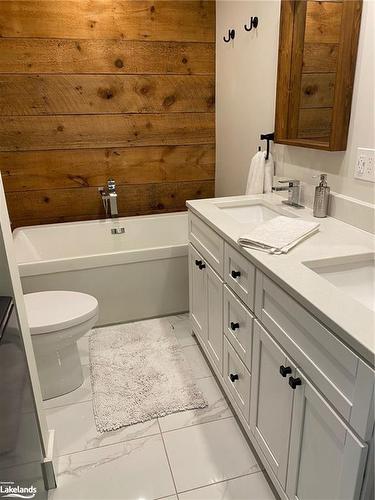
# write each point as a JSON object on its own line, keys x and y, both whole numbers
{"x": 200, "y": 264}
{"x": 234, "y": 326}
{"x": 233, "y": 377}
{"x": 235, "y": 274}
{"x": 293, "y": 382}
{"x": 285, "y": 370}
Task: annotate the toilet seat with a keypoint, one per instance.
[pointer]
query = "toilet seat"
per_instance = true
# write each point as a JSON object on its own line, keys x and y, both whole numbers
{"x": 52, "y": 311}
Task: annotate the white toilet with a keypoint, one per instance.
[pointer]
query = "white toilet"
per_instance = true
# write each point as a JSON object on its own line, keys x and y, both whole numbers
{"x": 57, "y": 319}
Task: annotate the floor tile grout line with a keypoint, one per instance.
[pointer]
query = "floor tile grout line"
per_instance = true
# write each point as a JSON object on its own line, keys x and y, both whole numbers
{"x": 161, "y": 432}
{"x": 222, "y": 481}
{"x": 112, "y": 444}
{"x": 167, "y": 456}
{"x": 194, "y": 425}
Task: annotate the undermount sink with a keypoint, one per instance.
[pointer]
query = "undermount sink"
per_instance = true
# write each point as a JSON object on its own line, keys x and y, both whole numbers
{"x": 354, "y": 275}
{"x": 251, "y": 211}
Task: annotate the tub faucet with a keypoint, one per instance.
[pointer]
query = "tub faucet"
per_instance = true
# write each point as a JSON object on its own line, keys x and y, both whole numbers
{"x": 109, "y": 198}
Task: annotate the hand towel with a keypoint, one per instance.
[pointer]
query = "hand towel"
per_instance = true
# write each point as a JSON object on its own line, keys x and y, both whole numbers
{"x": 279, "y": 235}
{"x": 268, "y": 174}
{"x": 255, "y": 180}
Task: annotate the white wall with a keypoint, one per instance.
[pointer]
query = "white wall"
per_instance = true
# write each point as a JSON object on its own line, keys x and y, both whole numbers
{"x": 246, "y": 87}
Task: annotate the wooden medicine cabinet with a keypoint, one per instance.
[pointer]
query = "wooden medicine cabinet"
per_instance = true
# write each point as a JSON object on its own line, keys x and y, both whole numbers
{"x": 317, "y": 57}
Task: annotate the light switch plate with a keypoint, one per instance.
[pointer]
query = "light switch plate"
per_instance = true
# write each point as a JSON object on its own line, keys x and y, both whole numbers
{"x": 365, "y": 165}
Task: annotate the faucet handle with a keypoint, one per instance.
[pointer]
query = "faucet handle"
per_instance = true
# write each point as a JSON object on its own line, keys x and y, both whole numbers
{"x": 111, "y": 185}
{"x": 291, "y": 182}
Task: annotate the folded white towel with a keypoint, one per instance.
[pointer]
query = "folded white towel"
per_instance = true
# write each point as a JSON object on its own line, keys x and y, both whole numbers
{"x": 255, "y": 180}
{"x": 279, "y": 235}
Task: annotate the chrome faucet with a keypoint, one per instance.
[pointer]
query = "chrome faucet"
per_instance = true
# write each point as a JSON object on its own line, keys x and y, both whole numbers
{"x": 109, "y": 198}
{"x": 294, "y": 192}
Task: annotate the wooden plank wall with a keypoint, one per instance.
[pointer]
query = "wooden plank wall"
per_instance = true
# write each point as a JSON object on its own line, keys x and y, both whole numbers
{"x": 92, "y": 89}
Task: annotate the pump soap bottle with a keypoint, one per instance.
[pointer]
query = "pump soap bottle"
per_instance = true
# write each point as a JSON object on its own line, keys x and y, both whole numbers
{"x": 321, "y": 198}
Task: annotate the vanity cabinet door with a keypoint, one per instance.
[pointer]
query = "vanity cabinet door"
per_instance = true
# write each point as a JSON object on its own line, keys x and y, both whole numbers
{"x": 198, "y": 293}
{"x": 271, "y": 401}
{"x": 214, "y": 334}
{"x": 326, "y": 459}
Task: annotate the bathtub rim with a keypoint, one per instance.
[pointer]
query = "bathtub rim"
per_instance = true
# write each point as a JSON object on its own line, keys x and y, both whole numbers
{"x": 104, "y": 221}
{"x": 105, "y": 259}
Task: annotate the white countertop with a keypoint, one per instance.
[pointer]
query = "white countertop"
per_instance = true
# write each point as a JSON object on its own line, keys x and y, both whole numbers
{"x": 351, "y": 321}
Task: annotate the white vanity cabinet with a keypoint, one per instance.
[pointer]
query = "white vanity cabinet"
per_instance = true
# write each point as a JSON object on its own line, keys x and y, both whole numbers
{"x": 271, "y": 401}
{"x": 326, "y": 459}
{"x": 206, "y": 305}
{"x": 197, "y": 293}
{"x": 304, "y": 398}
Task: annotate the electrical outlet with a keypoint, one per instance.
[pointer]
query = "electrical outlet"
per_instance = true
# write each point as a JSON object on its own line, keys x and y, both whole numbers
{"x": 365, "y": 165}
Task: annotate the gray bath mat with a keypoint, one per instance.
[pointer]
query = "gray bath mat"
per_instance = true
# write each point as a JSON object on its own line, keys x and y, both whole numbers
{"x": 138, "y": 373}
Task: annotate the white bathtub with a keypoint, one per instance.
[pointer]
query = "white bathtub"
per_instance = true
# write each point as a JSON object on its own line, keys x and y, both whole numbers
{"x": 141, "y": 273}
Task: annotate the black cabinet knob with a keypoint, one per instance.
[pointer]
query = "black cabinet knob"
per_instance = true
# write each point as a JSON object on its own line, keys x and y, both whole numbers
{"x": 233, "y": 377}
{"x": 293, "y": 382}
{"x": 235, "y": 274}
{"x": 234, "y": 326}
{"x": 285, "y": 370}
{"x": 200, "y": 264}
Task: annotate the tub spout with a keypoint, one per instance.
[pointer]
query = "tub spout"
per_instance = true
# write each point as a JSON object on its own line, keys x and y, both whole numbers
{"x": 109, "y": 198}
{"x": 113, "y": 204}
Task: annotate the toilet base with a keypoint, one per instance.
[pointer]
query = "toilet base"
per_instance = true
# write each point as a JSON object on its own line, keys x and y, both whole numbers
{"x": 59, "y": 370}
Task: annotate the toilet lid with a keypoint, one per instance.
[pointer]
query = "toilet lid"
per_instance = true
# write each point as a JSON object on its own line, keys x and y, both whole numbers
{"x": 55, "y": 310}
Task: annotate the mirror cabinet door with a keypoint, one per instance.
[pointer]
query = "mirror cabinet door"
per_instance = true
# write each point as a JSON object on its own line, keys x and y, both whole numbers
{"x": 317, "y": 56}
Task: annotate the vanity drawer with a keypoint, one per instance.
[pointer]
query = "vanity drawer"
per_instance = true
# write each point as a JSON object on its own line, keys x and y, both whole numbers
{"x": 237, "y": 379}
{"x": 238, "y": 326}
{"x": 239, "y": 274}
{"x": 207, "y": 242}
{"x": 345, "y": 380}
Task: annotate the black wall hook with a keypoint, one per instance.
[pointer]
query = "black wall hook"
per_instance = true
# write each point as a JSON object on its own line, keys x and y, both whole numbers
{"x": 253, "y": 23}
{"x": 231, "y": 35}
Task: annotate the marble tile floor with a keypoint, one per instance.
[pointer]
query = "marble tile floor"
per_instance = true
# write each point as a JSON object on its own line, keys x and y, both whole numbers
{"x": 192, "y": 455}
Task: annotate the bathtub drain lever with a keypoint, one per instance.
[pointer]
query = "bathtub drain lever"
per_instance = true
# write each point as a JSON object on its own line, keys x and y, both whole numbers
{"x": 118, "y": 230}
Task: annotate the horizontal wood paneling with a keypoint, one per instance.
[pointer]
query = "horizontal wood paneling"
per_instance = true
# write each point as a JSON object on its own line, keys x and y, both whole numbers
{"x": 323, "y": 22}
{"x": 132, "y": 200}
{"x": 315, "y": 122}
{"x": 38, "y": 170}
{"x": 93, "y": 89}
{"x": 85, "y": 94}
{"x": 317, "y": 90}
{"x": 127, "y": 19}
{"x": 100, "y": 131}
{"x": 105, "y": 56}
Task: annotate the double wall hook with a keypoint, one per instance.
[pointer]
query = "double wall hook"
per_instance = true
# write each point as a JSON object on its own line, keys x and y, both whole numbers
{"x": 253, "y": 23}
{"x": 231, "y": 35}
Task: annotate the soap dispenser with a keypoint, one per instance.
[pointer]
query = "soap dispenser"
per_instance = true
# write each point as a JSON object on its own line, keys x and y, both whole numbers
{"x": 321, "y": 198}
